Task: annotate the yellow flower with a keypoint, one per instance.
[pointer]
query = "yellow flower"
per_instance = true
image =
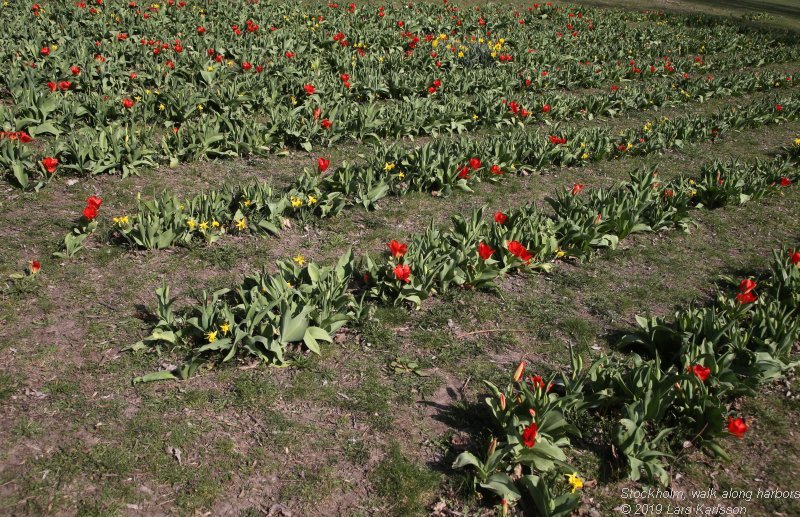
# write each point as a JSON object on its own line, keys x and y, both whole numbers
{"x": 225, "y": 328}
{"x": 161, "y": 107}
{"x": 200, "y": 107}
{"x": 211, "y": 336}
{"x": 692, "y": 193}
{"x": 214, "y": 223}
{"x": 388, "y": 167}
{"x": 401, "y": 175}
{"x": 460, "y": 54}
{"x": 475, "y": 117}
{"x": 312, "y": 200}
{"x": 241, "y": 224}
{"x": 299, "y": 259}
{"x": 296, "y": 201}
{"x": 210, "y": 68}
{"x": 53, "y": 47}
{"x": 204, "y": 225}
{"x": 247, "y": 202}
{"x": 585, "y": 156}
{"x": 797, "y": 141}
{"x": 574, "y": 481}
{"x": 191, "y": 223}
{"x": 289, "y": 285}
{"x": 630, "y": 145}
{"x": 560, "y": 254}
{"x": 583, "y": 145}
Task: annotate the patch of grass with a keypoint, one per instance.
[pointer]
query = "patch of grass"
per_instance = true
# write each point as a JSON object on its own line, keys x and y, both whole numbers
{"x": 402, "y": 483}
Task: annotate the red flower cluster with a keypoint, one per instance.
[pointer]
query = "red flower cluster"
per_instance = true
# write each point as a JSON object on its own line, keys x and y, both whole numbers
{"x": 92, "y": 206}
{"x": 435, "y": 85}
{"x": 22, "y": 136}
{"x": 746, "y": 294}
{"x": 557, "y": 140}
{"x": 345, "y": 78}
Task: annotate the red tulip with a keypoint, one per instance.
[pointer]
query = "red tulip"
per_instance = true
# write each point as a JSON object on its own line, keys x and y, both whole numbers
{"x": 25, "y": 137}
{"x": 201, "y": 30}
{"x": 785, "y": 182}
{"x": 529, "y": 435}
{"x": 737, "y": 427}
{"x": 464, "y": 172}
{"x": 577, "y": 189}
{"x": 50, "y": 164}
{"x": 500, "y": 218}
{"x": 34, "y": 267}
{"x": 537, "y": 381}
{"x": 485, "y": 251}
{"x": 90, "y": 212}
{"x": 247, "y": 66}
{"x": 94, "y": 201}
{"x": 778, "y": 107}
{"x": 344, "y": 77}
{"x": 75, "y": 70}
{"x": 326, "y": 124}
{"x": 437, "y": 83}
{"x": 796, "y": 258}
{"x": 701, "y": 371}
{"x": 288, "y": 55}
{"x": 52, "y": 86}
{"x": 496, "y": 170}
{"x": 45, "y": 51}
{"x": 519, "y": 251}
{"x": 474, "y": 164}
{"x": 127, "y": 103}
{"x": 64, "y": 85}
{"x": 397, "y": 249}
{"x": 323, "y": 164}
{"x": 745, "y": 298}
{"x": 402, "y": 273}
{"x": 309, "y": 88}
{"x": 746, "y": 286}
{"x": 546, "y": 108}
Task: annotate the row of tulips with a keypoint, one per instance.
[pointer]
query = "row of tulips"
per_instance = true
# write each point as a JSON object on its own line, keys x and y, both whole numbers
{"x": 116, "y": 148}
{"x": 305, "y": 302}
{"x": 676, "y": 392}
{"x": 440, "y": 166}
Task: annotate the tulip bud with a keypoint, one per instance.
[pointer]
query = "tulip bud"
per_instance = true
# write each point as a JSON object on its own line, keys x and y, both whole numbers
{"x": 503, "y": 401}
{"x": 492, "y": 446}
{"x": 520, "y": 370}
{"x": 505, "y": 508}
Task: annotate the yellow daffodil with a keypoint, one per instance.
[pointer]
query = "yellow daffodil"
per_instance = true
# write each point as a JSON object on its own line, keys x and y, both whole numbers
{"x": 575, "y": 482}
{"x": 241, "y": 224}
{"x": 299, "y": 259}
{"x": 211, "y": 336}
